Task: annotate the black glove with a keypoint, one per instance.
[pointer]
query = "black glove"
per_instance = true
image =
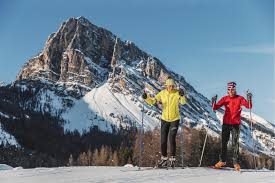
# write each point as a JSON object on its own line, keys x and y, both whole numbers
{"x": 144, "y": 95}
{"x": 249, "y": 96}
{"x": 181, "y": 92}
{"x": 214, "y": 99}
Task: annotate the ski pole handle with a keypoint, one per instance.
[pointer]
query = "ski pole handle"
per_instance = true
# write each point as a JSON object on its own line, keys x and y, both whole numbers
{"x": 214, "y": 100}
{"x": 249, "y": 96}
{"x": 144, "y": 95}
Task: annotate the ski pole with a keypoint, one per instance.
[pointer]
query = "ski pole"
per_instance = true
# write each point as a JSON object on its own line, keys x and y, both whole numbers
{"x": 182, "y": 136}
{"x": 205, "y": 137}
{"x": 203, "y": 145}
{"x": 140, "y": 138}
{"x": 181, "y": 141}
{"x": 252, "y": 134}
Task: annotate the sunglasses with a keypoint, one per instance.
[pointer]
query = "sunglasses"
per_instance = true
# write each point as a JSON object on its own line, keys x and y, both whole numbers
{"x": 231, "y": 89}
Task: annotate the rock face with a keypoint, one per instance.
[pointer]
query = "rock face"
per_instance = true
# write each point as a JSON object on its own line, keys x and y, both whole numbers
{"x": 81, "y": 52}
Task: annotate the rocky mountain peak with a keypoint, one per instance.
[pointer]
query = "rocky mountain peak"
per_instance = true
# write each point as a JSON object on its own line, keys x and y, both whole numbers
{"x": 80, "y": 52}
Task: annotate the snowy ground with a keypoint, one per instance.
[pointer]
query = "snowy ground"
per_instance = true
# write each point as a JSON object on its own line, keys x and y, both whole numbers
{"x": 123, "y": 174}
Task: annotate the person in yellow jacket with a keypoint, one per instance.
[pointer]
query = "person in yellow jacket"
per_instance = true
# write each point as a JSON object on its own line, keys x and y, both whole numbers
{"x": 170, "y": 99}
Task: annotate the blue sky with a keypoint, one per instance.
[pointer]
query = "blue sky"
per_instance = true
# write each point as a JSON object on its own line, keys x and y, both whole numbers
{"x": 209, "y": 42}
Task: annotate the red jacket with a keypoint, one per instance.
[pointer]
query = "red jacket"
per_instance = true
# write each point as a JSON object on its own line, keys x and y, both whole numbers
{"x": 232, "y": 114}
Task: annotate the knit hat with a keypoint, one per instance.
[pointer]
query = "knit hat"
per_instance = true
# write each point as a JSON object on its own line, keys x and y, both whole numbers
{"x": 231, "y": 85}
{"x": 169, "y": 82}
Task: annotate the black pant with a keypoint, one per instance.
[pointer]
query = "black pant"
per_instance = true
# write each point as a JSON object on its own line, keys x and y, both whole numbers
{"x": 235, "y": 132}
{"x": 170, "y": 128}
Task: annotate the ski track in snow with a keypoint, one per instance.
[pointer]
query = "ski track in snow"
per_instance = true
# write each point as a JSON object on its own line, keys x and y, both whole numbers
{"x": 123, "y": 174}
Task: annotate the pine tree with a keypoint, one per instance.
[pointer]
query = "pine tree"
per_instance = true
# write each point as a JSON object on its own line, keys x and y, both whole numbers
{"x": 113, "y": 159}
{"x": 104, "y": 155}
{"x": 82, "y": 159}
{"x": 90, "y": 157}
{"x": 96, "y": 157}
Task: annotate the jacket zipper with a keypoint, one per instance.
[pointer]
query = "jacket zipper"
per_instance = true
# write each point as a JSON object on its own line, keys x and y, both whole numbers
{"x": 168, "y": 106}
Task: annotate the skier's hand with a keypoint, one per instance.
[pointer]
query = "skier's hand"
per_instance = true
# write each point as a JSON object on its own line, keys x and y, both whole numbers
{"x": 144, "y": 95}
{"x": 214, "y": 99}
{"x": 181, "y": 92}
{"x": 249, "y": 96}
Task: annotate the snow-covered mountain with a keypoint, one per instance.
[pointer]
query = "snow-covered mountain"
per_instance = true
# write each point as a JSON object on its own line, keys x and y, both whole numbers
{"x": 90, "y": 77}
{"x": 2, "y": 83}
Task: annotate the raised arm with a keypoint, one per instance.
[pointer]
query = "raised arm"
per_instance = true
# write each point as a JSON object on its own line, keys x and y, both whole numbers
{"x": 247, "y": 103}
{"x": 218, "y": 105}
{"x": 151, "y": 100}
{"x": 182, "y": 98}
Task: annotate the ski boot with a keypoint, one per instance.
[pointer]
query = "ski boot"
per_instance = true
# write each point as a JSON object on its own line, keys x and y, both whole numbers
{"x": 219, "y": 165}
{"x": 172, "y": 161}
{"x": 237, "y": 167}
{"x": 163, "y": 163}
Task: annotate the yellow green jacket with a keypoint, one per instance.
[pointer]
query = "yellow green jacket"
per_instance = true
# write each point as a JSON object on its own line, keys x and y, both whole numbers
{"x": 170, "y": 104}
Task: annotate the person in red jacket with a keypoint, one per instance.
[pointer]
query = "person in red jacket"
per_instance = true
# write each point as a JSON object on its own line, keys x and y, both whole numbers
{"x": 231, "y": 121}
